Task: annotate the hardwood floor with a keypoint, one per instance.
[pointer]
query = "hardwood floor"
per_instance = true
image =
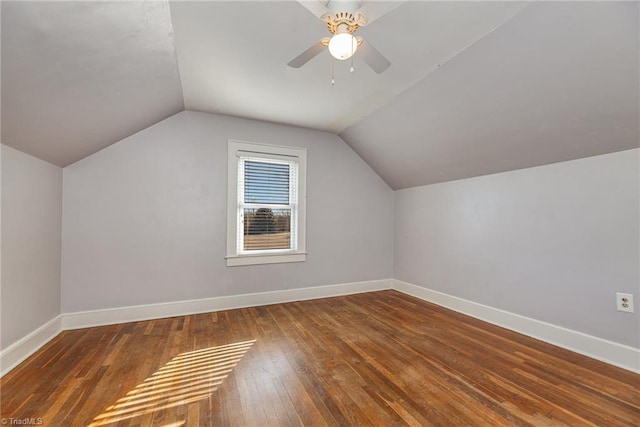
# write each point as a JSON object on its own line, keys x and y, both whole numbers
{"x": 380, "y": 358}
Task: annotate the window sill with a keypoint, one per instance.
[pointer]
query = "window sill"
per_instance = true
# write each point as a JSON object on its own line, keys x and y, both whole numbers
{"x": 239, "y": 260}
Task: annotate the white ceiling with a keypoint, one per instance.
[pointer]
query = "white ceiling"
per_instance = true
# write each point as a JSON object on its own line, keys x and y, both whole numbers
{"x": 475, "y": 87}
{"x": 233, "y": 57}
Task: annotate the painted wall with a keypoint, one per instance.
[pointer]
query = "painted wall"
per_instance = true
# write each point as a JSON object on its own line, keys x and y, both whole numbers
{"x": 31, "y": 241}
{"x": 145, "y": 219}
{"x": 553, "y": 243}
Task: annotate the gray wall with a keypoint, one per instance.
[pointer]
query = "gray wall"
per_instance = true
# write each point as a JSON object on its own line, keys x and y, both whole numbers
{"x": 553, "y": 243}
{"x": 145, "y": 219}
{"x": 31, "y": 239}
{"x": 144, "y": 222}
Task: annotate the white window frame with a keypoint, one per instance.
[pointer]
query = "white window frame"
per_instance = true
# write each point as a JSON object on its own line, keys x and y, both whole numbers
{"x": 256, "y": 151}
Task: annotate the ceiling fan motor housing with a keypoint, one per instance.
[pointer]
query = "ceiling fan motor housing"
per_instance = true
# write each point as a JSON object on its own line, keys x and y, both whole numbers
{"x": 341, "y": 22}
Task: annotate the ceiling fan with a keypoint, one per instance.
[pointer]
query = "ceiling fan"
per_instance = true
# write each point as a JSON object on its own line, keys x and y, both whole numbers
{"x": 342, "y": 19}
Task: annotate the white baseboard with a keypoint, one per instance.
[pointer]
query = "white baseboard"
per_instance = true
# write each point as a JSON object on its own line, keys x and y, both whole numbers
{"x": 613, "y": 353}
{"x": 17, "y": 352}
{"x": 112, "y": 316}
{"x": 26, "y": 346}
{"x": 597, "y": 348}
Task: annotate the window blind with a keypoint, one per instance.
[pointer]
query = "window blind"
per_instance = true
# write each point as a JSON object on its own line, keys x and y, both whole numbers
{"x": 267, "y": 195}
{"x": 266, "y": 183}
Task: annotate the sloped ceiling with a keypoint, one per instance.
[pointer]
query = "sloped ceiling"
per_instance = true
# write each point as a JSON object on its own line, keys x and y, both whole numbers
{"x": 557, "y": 82}
{"x": 232, "y": 57}
{"x": 79, "y": 76}
{"x": 475, "y": 87}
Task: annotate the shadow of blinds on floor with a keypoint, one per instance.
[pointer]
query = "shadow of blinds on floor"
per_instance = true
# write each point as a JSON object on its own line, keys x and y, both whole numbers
{"x": 189, "y": 377}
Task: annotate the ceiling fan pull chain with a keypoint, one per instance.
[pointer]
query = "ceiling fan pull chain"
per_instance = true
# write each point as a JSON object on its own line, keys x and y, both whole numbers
{"x": 352, "y": 52}
{"x": 333, "y": 80}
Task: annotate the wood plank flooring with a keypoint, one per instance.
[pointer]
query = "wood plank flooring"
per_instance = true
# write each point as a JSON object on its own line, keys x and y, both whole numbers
{"x": 380, "y": 358}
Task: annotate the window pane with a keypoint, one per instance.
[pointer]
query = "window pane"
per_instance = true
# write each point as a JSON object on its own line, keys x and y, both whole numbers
{"x": 266, "y": 228}
{"x": 266, "y": 183}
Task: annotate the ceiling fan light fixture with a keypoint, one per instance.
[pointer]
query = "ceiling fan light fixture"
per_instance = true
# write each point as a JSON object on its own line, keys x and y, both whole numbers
{"x": 343, "y": 45}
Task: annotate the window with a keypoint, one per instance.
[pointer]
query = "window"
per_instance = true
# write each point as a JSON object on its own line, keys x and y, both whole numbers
{"x": 266, "y": 204}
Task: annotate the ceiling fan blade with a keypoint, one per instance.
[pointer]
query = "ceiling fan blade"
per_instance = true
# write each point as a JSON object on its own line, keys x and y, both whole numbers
{"x": 307, "y": 55}
{"x": 373, "y": 57}
{"x": 373, "y": 10}
{"x": 318, "y": 8}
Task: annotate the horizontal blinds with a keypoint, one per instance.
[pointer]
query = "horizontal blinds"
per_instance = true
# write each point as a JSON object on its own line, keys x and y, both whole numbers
{"x": 266, "y": 183}
{"x": 267, "y": 194}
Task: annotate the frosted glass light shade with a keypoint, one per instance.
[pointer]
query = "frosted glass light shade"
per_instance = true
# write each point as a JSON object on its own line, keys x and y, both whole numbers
{"x": 342, "y": 46}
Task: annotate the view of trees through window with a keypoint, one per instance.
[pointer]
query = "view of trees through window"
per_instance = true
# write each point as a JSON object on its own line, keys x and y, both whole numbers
{"x": 266, "y": 228}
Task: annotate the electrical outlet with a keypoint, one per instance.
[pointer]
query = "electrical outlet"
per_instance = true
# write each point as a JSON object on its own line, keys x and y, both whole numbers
{"x": 624, "y": 302}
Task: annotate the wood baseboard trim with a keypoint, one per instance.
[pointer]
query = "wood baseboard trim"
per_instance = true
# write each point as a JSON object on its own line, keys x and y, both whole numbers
{"x": 610, "y": 352}
{"x": 18, "y": 352}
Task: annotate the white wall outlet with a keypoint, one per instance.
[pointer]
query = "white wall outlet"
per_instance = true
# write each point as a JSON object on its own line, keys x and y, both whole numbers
{"x": 624, "y": 302}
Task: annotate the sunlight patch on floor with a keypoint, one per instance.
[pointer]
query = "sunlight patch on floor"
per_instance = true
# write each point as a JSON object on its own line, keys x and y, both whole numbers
{"x": 189, "y": 377}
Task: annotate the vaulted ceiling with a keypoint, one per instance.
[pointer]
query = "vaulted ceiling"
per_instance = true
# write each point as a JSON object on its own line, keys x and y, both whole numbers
{"x": 474, "y": 87}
